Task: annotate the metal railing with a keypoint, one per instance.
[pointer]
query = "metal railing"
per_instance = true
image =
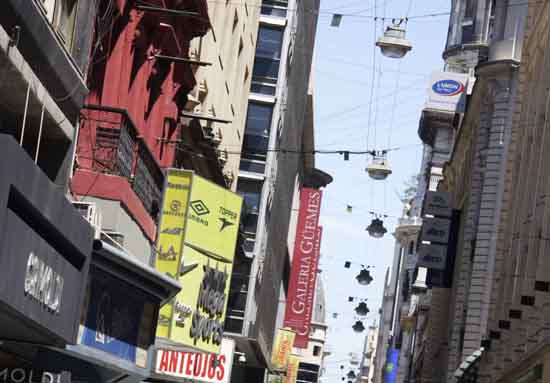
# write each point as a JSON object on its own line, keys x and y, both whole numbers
{"x": 118, "y": 149}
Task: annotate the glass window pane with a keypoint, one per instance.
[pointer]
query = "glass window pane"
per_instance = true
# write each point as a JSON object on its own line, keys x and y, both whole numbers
{"x": 274, "y": 7}
{"x": 269, "y": 42}
{"x": 266, "y": 67}
{"x": 255, "y": 146}
{"x": 251, "y": 191}
{"x": 261, "y": 87}
{"x": 258, "y": 119}
{"x": 248, "y": 165}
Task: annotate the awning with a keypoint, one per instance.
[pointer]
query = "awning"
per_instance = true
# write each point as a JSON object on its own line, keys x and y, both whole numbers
{"x": 144, "y": 276}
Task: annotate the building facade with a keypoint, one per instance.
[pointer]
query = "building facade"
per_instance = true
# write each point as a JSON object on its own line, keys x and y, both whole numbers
{"x": 139, "y": 78}
{"x": 269, "y": 180}
{"x": 366, "y": 368}
{"x": 467, "y": 146}
{"x": 517, "y": 316}
{"x": 59, "y": 277}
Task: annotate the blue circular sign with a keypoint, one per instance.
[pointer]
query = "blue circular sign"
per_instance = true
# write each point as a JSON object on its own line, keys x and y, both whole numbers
{"x": 448, "y": 87}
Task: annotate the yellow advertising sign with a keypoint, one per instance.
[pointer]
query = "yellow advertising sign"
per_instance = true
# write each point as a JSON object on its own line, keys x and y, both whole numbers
{"x": 292, "y": 369}
{"x": 282, "y": 348}
{"x": 170, "y": 238}
{"x": 213, "y": 218}
{"x": 204, "y": 272}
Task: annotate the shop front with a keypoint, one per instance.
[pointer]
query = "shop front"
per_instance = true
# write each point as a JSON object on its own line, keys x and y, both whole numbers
{"x": 45, "y": 248}
{"x": 72, "y": 308}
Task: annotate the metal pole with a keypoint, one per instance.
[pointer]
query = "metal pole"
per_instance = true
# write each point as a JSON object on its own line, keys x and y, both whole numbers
{"x": 39, "y": 132}
{"x": 411, "y": 358}
{"x": 25, "y": 114}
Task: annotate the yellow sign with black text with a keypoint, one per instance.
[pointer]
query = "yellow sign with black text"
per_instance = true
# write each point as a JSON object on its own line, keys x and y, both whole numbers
{"x": 292, "y": 369}
{"x": 204, "y": 272}
{"x": 170, "y": 238}
{"x": 282, "y": 348}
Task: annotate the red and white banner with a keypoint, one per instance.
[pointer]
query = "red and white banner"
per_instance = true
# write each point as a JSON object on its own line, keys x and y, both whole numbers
{"x": 199, "y": 366}
{"x": 305, "y": 261}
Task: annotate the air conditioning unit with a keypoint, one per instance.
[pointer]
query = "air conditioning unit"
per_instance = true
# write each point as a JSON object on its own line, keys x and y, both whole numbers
{"x": 202, "y": 88}
{"x": 194, "y": 53}
{"x": 91, "y": 213}
{"x": 192, "y": 100}
{"x": 217, "y": 136}
{"x": 229, "y": 177}
{"x": 222, "y": 156}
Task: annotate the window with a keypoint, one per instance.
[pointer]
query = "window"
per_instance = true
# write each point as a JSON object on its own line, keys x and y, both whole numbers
{"x": 256, "y": 134}
{"x": 64, "y": 21}
{"x": 411, "y": 248}
{"x": 241, "y": 46}
{"x": 316, "y": 350}
{"x": 470, "y": 8}
{"x": 276, "y": 8}
{"x": 467, "y": 34}
{"x": 267, "y": 60}
{"x": 235, "y": 20}
{"x": 48, "y": 6}
{"x": 251, "y": 191}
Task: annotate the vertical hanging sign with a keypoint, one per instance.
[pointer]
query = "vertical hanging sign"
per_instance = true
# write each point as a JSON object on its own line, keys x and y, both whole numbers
{"x": 292, "y": 369}
{"x": 282, "y": 348}
{"x": 303, "y": 273}
{"x": 170, "y": 237}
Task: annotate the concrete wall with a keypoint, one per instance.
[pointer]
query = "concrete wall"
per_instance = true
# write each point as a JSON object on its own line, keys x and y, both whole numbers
{"x": 116, "y": 219}
{"x": 230, "y": 46}
{"x": 281, "y": 171}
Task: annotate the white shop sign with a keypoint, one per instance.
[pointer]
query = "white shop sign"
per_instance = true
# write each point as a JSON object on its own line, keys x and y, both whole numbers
{"x": 199, "y": 366}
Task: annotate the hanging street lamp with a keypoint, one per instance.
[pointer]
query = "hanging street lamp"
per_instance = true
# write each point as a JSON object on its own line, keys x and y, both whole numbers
{"x": 376, "y": 228}
{"x": 362, "y": 309}
{"x": 358, "y": 326}
{"x": 364, "y": 277}
{"x": 379, "y": 169}
{"x": 394, "y": 44}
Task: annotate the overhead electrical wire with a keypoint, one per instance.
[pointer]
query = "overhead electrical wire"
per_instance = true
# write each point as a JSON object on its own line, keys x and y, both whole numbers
{"x": 331, "y": 11}
{"x": 191, "y": 149}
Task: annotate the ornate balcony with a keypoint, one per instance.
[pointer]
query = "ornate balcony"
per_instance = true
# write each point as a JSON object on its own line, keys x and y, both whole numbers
{"x": 110, "y": 144}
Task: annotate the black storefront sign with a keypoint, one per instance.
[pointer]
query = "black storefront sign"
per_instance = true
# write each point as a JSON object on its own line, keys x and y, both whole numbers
{"x": 436, "y": 230}
{"x": 432, "y": 256}
{"x": 45, "y": 246}
{"x": 29, "y": 375}
{"x": 437, "y": 204}
{"x": 444, "y": 278}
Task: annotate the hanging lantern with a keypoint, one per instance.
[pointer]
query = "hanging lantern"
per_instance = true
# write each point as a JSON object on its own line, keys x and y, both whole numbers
{"x": 351, "y": 375}
{"x": 358, "y": 326}
{"x": 362, "y": 309}
{"x": 379, "y": 169}
{"x": 364, "y": 277}
{"x": 376, "y": 228}
{"x": 394, "y": 44}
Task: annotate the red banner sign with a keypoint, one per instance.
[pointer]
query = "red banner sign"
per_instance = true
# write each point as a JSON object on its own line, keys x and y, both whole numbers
{"x": 303, "y": 273}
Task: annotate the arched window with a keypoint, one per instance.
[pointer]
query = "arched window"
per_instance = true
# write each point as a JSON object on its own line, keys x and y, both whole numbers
{"x": 411, "y": 248}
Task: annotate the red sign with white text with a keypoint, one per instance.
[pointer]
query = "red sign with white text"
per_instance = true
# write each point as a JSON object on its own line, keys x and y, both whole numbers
{"x": 303, "y": 273}
{"x": 198, "y": 366}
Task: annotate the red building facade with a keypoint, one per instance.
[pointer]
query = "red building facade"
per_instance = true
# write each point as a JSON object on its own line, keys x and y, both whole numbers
{"x": 139, "y": 77}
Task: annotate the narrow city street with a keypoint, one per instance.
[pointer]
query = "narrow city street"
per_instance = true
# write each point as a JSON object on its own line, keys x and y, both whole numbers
{"x": 274, "y": 191}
